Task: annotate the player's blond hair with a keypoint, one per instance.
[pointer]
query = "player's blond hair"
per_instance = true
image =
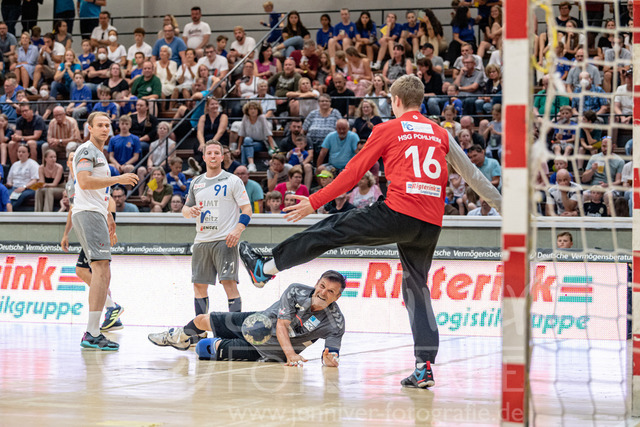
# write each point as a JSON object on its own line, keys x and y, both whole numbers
{"x": 409, "y": 89}
{"x": 95, "y": 114}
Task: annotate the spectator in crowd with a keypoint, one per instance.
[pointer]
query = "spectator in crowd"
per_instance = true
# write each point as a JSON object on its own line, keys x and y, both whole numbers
{"x": 176, "y": 178}
{"x": 367, "y": 116}
{"x": 366, "y": 193}
{"x": 115, "y": 51}
{"x": 228, "y": 163}
{"x": 604, "y": 168}
{"x": 469, "y": 81}
{"x": 288, "y": 143}
{"x": 65, "y": 11}
{"x": 283, "y": 82}
{"x": 22, "y": 175}
{"x": 599, "y": 105}
{"x": 116, "y": 82}
{"x": 606, "y": 40}
{"x": 449, "y": 122}
{"x": 273, "y": 201}
{"x": 148, "y": 86}
{"x": 289, "y": 199}
{"x": 379, "y": 93}
{"x": 243, "y": 44}
{"x": 217, "y": 65}
{"x": 410, "y": 36}
{"x": 50, "y": 181}
{"x": 26, "y": 60}
{"x": 564, "y": 198}
{"x": 106, "y": 106}
{"x": 565, "y": 15}
{"x": 325, "y": 32}
{"x": 307, "y": 61}
{"x": 563, "y": 138}
{"x": 431, "y": 33}
{"x": 339, "y": 145}
{"x": 463, "y": 32}
{"x": 100, "y": 34}
{"x": 254, "y": 133}
{"x": 162, "y": 149}
{"x": 564, "y": 240}
{"x": 493, "y": 87}
{"x": 294, "y": 35}
{"x": 196, "y": 33}
{"x": 5, "y": 136}
{"x": 390, "y": 36}
{"x": 186, "y": 76}
{"x": 299, "y": 154}
{"x": 44, "y": 108}
{"x": 589, "y": 138}
{"x": 221, "y": 43}
{"x": 10, "y": 15}
{"x": 559, "y": 162}
{"x": 175, "y": 43}
{"x": 595, "y": 207}
{"x": 398, "y": 65}
{"x": 304, "y": 100}
{"x": 8, "y": 100}
{"x": 432, "y": 86}
{"x": 319, "y": 123}
{"x": 51, "y": 55}
{"x": 342, "y": 98}
{"x": 166, "y": 71}
{"x": 98, "y": 71}
{"x": 169, "y": 20}
{"x": 366, "y": 35}
{"x": 466, "y": 122}
{"x": 623, "y": 102}
{"x": 126, "y": 102}
{"x": 324, "y": 178}
{"x": 254, "y": 190}
{"x": 29, "y": 130}
{"x": 572, "y": 40}
{"x": 246, "y": 87}
{"x": 63, "y": 77}
{"x": 339, "y": 64}
{"x": 79, "y": 106}
{"x": 427, "y": 52}
{"x": 540, "y": 100}
{"x": 211, "y": 126}
{"x": 339, "y": 205}
{"x": 266, "y": 64}
{"x": 490, "y": 168}
{"x": 158, "y": 192}
{"x": 493, "y": 133}
{"x": 618, "y": 57}
{"x": 87, "y": 56}
{"x": 293, "y": 184}
{"x": 278, "y": 171}
{"x": 344, "y": 34}
{"x": 119, "y": 195}
{"x": 464, "y": 139}
{"x": 63, "y": 135}
{"x": 139, "y": 46}
{"x": 359, "y": 71}
{"x": 492, "y": 32}
{"x": 582, "y": 62}
{"x": 124, "y": 149}
{"x": 176, "y": 203}
{"x": 144, "y": 124}
{"x": 483, "y": 210}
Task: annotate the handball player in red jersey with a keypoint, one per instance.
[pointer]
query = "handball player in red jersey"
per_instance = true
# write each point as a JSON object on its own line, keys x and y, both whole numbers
{"x": 415, "y": 152}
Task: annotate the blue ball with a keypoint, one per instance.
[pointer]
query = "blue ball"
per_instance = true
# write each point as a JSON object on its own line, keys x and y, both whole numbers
{"x": 256, "y": 329}
{"x": 206, "y": 349}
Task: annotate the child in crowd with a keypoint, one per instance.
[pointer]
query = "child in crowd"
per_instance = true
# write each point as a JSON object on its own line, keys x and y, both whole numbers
{"x": 559, "y": 163}
{"x": 106, "y": 106}
{"x": 298, "y": 155}
{"x": 124, "y": 149}
{"x": 449, "y": 122}
{"x": 221, "y": 44}
{"x": 36, "y": 38}
{"x": 274, "y": 18}
{"x": 289, "y": 199}
{"x": 563, "y": 139}
{"x": 452, "y": 92}
{"x": 458, "y": 187}
{"x": 126, "y": 101}
{"x": 136, "y": 70}
{"x": 274, "y": 200}
{"x": 87, "y": 56}
{"x": 176, "y": 178}
{"x": 80, "y": 94}
{"x": 596, "y": 206}
{"x": 493, "y": 133}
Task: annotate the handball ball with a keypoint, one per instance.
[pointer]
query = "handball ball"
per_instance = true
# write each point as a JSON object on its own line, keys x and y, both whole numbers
{"x": 256, "y": 329}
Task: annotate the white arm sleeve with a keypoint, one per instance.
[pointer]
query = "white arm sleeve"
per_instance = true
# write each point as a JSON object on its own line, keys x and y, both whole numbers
{"x": 472, "y": 175}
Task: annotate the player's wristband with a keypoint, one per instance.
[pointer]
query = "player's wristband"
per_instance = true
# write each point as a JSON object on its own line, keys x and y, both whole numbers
{"x": 244, "y": 219}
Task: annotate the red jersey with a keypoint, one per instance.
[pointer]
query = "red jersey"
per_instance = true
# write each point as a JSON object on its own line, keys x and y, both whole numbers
{"x": 413, "y": 149}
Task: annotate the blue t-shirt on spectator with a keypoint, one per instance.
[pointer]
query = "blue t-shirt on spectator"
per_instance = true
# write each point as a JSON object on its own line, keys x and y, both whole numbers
{"x": 65, "y": 77}
{"x": 395, "y": 31}
{"x": 114, "y": 171}
{"x": 86, "y": 60}
{"x": 136, "y": 72}
{"x": 176, "y": 189}
{"x": 561, "y": 68}
{"x": 322, "y": 38}
{"x": 340, "y": 151}
{"x": 177, "y": 45}
{"x": 111, "y": 109}
{"x": 37, "y": 42}
{"x": 349, "y": 29}
{"x": 83, "y": 94}
{"x": 123, "y": 147}
{"x": 491, "y": 168}
{"x": 365, "y": 34}
{"x": 199, "y": 110}
{"x": 8, "y": 109}
{"x": 411, "y": 30}
{"x": 129, "y": 107}
{"x": 457, "y": 104}
{"x": 294, "y": 160}
{"x": 4, "y": 197}
{"x": 466, "y": 34}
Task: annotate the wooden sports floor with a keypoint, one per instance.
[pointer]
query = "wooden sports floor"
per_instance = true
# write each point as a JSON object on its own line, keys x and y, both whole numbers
{"x": 47, "y": 380}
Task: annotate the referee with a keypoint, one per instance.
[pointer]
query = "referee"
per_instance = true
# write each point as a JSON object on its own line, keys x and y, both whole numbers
{"x": 415, "y": 152}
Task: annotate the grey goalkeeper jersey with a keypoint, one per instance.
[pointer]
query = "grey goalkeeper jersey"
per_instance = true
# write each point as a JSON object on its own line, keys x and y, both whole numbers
{"x": 306, "y": 326}
{"x": 220, "y": 199}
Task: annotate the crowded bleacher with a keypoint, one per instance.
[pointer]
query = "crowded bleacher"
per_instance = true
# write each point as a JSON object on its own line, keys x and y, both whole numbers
{"x": 293, "y": 107}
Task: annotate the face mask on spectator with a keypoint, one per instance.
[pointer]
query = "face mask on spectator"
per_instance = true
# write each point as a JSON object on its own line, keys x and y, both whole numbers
{"x": 102, "y": 56}
{"x": 113, "y": 39}
{"x": 584, "y": 82}
{"x": 44, "y": 93}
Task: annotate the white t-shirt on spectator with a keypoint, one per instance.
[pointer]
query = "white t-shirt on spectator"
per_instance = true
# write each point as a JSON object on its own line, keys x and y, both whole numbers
{"x": 625, "y": 98}
{"x": 220, "y": 63}
{"x": 145, "y": 48}
{"x": 58, "y": 50}
{"x": 99, "y": 34}
{"x": 116, "y": 56}
{"x": 627, "y": 172}
{"x": 22, "y": 172}
{"x": 195, "y": 33}
{"x": 248, "y": 46}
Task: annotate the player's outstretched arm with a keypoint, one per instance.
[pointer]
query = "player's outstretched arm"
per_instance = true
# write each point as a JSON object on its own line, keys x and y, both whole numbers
{"x": 86, "y": 181}
{"x": 282, "y": 333}
{"x": 472, "y": 175}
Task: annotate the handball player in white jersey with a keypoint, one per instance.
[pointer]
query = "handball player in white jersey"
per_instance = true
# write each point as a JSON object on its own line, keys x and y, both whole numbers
{"x": 220, "y": 203}
{"x": 95, "y": 227}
